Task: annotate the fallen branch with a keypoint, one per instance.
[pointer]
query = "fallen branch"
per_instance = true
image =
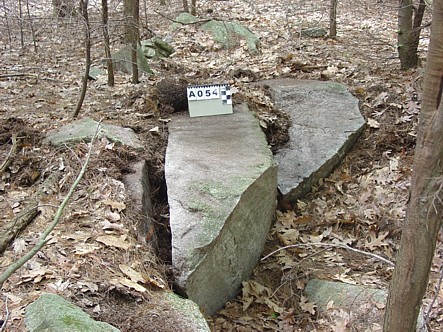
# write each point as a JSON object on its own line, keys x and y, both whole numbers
{"x": 332, "y": 245}
{"x": 10, "y": 231}
{"x": 5, "y": 319}
{"x": 8, "y": 159}
{"x": 43, "y": 238}
{"x": 437, "y": 288}
{"x": 12, "y": 75}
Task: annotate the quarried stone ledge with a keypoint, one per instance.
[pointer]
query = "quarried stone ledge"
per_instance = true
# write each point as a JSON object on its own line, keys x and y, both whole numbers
{"x": 326, "y": 122}
{"x": 222, "y": 186}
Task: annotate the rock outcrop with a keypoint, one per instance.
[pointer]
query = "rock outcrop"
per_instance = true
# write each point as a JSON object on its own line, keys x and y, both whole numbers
{"x": 326, "y": 122}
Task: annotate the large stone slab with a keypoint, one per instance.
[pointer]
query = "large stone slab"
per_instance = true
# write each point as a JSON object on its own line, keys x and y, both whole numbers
{"x": 222, "y": 184}
{"x": 52, "y": 313}
{"x": 364, "y": 305}
{"x": 326, "y": 122}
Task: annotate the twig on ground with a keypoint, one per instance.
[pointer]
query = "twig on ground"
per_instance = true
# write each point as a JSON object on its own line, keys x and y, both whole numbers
{"x": 12, "y": 75}
{"x": 12, "y": 151}
{"x": 332, "y": 245}
{"x": 437, "y": 289}
{"x": 5, "y": 320}
{"x": 43, "y": 238}
{"x": 10, "y": 231}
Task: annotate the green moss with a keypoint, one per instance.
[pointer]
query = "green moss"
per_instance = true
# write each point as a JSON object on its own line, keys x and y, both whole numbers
{"x": 337, "y": 87}
{"x": 72, "y": 321}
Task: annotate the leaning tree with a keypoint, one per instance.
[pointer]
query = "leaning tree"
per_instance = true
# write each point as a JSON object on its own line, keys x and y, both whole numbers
{"x": 425, "y": 209}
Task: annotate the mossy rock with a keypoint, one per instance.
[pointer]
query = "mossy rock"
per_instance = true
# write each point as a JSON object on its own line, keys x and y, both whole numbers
{"x": 122, "y": 60}
{"x": 226, "y": 33}
{"x": 52, "y": 313}
{"x": 156, "y": 48}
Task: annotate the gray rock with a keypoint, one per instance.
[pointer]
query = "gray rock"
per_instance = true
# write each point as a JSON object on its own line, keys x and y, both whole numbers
{"x": 192, "y": 318}
{"x": 156, "y": 48}
{"x": 222, "y": 184}
{"x": 52, "y": 313}
{"x": 184, "y": 18}
{"x": 139, "y": 190}
{"x": 122, "y": 60}
{"x": 84, "y": 130}
{"x": 326, "y": 122}
{"x": 314, "y": 32}
{"x": 224, "y": 32}
{"x": 228, "y": 34}
{"x": 95, "y": 72}
{"x": 364, "y": 304}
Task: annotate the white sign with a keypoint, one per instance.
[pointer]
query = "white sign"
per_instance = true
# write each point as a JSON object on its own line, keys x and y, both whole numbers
{"x": 210, "y": 99}
{"x": 204, "y": 92}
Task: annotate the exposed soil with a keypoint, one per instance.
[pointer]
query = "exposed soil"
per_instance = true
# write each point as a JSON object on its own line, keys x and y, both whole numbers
{"x": 362, "y": 203}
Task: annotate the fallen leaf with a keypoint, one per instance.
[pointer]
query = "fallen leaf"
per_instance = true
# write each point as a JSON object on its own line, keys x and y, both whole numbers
{"x": 307, "y": 306}
{"x": 119, "y": 206}
{"x": 131, "y": 284}
{"x": 373, "y": 123}
{"x": 114, "y": 241}
{"x": 156, "y": 281}
{"x": 376, "y": 241}
{"x": 288, "y": 236}
{"x": 107, "y": 225}
{"x": 19, "y": 245}
{"x": 85, "y": 249}
{"x": 131, "y": 273}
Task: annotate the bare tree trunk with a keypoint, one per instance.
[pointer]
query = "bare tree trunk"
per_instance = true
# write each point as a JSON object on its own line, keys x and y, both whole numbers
{"x": 185, "y": 6}
{"x": 132, "y": 35}
{"x": 425, "y": 208}
{"x": 145, "y": 9}
{"x": 32, "y": 26}
{"x": 194, "y": 7}
{"x": 135, "y": 41}
{"x": 409, "y": 32}
{"x": 333, "y": 19}
{"x": 109, "y": 64}
{"x": 7, "y": 21}
{"x": 416, "y": 24}
{"x": 22, "y": 38}
{"x": 84, "y": 12}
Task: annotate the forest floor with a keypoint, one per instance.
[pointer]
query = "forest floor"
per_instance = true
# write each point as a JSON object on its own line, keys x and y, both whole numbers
{"x": 361, "y": 204}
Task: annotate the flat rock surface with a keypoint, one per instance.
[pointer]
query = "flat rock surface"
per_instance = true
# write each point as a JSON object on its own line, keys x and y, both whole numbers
{"x": 84, "y": 129}
{"x": 326, "y": 122}
{"x": 222, "y": 184}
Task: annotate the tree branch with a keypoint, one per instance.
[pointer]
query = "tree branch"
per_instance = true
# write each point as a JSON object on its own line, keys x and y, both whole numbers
{"x": 341, "y": 246}
{"x": 8, "y": 159}
{"x": 43, "y": 238}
